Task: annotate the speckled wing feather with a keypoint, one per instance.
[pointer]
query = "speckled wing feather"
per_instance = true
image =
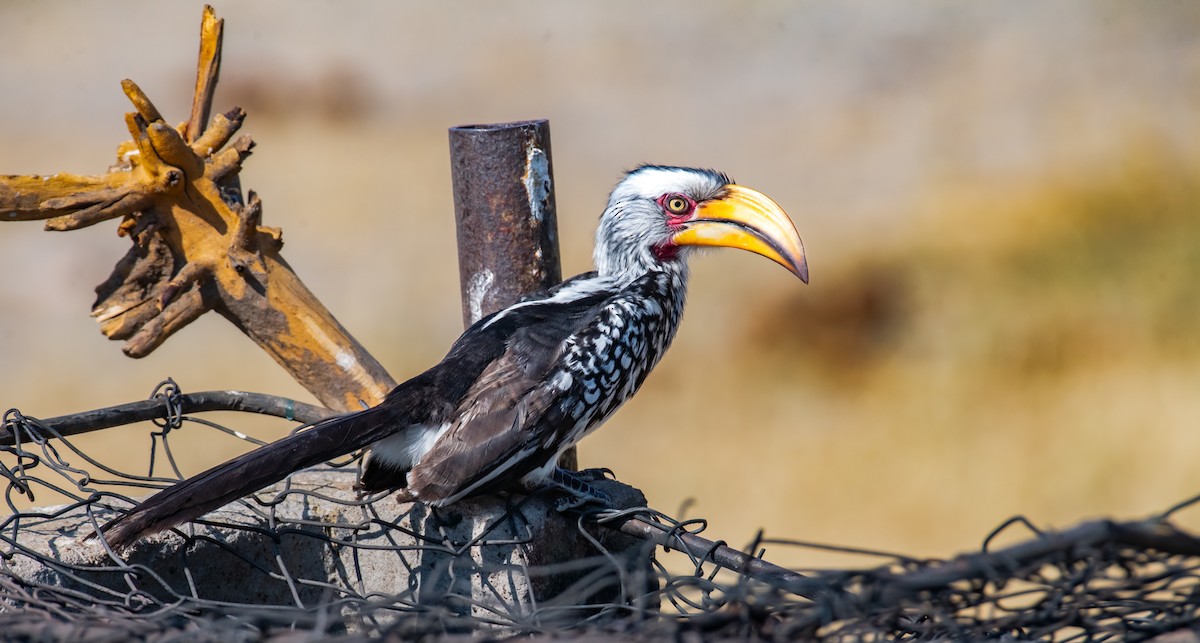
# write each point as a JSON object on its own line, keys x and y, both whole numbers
{"x": 481, "y": 360}
{"x": 493, "y": 431}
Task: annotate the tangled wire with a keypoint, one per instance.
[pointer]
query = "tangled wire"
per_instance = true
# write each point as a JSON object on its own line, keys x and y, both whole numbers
{"x": 307, "y": 556}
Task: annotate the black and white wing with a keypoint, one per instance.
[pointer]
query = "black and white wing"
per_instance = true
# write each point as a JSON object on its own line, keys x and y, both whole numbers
{"x": 490, "y": 437}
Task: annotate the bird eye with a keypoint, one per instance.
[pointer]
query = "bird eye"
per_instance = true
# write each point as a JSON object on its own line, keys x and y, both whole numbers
{"x": 677, "y": 204}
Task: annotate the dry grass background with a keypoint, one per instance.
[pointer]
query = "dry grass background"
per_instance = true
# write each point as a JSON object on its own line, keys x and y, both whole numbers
{"x": 999, "y": 201}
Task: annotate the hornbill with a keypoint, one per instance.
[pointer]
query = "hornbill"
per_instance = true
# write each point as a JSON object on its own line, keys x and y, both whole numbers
{"x": 523, "y": 384}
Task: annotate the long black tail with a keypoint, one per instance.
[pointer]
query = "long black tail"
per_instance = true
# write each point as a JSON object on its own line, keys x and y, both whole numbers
{"x": 189, "y": 499}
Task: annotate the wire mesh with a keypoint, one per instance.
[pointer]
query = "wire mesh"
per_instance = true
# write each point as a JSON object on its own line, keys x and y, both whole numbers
{"x": 316, "y": 552}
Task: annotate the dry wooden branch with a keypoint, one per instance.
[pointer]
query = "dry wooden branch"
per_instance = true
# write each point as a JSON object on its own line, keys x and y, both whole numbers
{"x": 196, "y": 247}
{"x": 212, "y": 33}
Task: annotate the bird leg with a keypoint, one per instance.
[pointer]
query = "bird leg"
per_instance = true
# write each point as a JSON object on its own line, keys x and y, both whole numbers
{"x": 580, "y": 492}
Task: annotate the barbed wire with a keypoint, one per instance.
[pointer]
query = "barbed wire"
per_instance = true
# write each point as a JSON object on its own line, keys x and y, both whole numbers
{"x": 309, "y": 556}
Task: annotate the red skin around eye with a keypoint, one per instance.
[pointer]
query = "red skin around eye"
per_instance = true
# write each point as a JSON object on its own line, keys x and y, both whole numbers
{"x": 676, "y": 220}
{"x": 667, "y": 250}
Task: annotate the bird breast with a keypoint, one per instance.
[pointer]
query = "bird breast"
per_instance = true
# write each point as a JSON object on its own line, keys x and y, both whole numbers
{"x": 609, "y": 361}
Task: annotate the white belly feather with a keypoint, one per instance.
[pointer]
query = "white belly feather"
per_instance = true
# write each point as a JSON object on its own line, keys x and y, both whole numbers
{"x": 406, "y": 448}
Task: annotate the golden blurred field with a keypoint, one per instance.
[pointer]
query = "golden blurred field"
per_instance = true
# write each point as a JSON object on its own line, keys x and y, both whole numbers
{"x": 999, "y": 203}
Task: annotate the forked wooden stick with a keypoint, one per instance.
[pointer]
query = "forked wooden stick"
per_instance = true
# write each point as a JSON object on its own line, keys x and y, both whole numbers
{"x": 196, "y": 245}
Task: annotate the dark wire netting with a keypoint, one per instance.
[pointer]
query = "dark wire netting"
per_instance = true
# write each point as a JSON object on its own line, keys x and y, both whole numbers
{"x": 1101, "y": 580}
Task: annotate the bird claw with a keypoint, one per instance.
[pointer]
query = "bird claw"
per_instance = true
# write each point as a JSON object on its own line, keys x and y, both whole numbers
{"x": 595, "y": 474}
{"x": 580, "y": 493}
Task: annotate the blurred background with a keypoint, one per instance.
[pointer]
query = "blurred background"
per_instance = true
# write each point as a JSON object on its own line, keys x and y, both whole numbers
{"x": 999, "y": 203}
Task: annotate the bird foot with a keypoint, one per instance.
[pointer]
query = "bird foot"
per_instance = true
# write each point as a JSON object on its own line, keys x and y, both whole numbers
{"x": 580, "y": 492}
{"x": 595, "y": 474}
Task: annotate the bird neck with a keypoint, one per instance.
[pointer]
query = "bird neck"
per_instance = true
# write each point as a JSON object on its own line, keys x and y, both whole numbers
{"x": 660, "y": 289}
{"x": 623, "y": 266}
{"x": 670, "y": 279}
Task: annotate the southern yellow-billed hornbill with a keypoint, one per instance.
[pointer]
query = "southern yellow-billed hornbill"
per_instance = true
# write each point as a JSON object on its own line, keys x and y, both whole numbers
{"x": 525, "y": 383}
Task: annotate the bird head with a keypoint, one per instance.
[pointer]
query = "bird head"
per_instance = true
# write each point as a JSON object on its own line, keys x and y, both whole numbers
{"x": 656, "y": 216}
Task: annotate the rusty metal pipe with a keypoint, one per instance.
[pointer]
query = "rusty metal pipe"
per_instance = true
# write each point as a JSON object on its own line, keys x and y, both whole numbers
{"x": 504, "y": 210}
{"x": 504, "y": 214}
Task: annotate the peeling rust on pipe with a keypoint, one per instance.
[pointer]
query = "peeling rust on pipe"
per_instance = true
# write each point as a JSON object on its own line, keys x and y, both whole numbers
{"x": 504, "y": 211}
